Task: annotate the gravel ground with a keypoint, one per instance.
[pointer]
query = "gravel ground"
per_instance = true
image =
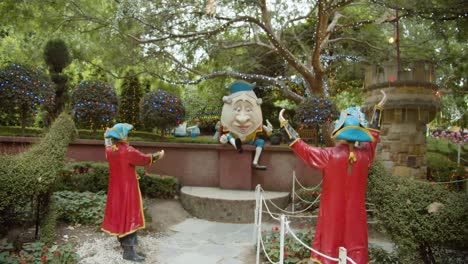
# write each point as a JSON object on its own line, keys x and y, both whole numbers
{"x": 107, "y": 250}
{"x": 96, "y": 247}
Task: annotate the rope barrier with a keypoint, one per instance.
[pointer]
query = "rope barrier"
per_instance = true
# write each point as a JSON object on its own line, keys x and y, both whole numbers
{"x": 450, "y": 181}
{"x": 297, "y": 216}
{"x": 284, "y": 228}
{"x": 305, "y": 188}
{"x": 288, "y": 212}
{"x": 306, "y": 246}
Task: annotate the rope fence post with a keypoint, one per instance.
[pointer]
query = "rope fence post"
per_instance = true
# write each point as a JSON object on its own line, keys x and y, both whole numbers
{"x": 282, "y": 229}
{"x": 256, "y": 212}
{"x": 259, "y": 228}
{"x": 342, "y": 255}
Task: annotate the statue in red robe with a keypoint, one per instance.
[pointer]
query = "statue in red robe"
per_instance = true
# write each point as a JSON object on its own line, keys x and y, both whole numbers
{"x": 124, "y": 208}
{"x": 342, "y": 220}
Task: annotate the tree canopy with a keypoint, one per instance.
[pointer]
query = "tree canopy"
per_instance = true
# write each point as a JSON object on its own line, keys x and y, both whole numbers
{"x": 319, "y": 45}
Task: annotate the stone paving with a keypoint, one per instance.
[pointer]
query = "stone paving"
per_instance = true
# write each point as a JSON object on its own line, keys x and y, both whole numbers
{"x": 201, "y": 241}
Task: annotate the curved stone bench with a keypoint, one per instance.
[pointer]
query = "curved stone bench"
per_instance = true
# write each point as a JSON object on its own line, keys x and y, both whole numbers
{"x": 232, "y": 206}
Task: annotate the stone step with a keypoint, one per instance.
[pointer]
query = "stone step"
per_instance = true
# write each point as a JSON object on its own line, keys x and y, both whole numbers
{"x": 229, "y": 206}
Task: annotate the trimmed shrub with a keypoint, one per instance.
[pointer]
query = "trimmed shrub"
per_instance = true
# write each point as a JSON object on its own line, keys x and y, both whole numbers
{"x": 31, "y": 175}
{"x": 57, "y": 57}
{"x": 94, "y": 105}
{"x": 130, "y": 97}
{"x": 426, "y": 221}
{"x": 161, "y": 110}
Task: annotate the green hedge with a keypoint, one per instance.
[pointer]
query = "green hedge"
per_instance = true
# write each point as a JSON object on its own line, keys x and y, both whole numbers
{"x": 94, "y": 177}
{"x": 402, "y": 210}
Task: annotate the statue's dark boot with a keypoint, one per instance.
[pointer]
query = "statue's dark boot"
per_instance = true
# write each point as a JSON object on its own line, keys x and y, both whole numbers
{"x": 128, "y": 243}
{"x": 130, "y": 254}
{"x": 239, "y": 145}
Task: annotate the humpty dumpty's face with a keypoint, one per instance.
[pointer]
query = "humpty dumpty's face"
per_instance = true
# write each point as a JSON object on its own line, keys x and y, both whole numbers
{"x": 242, "y": 116}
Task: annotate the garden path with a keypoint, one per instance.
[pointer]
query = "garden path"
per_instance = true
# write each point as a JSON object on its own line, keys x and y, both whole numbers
{"x": 174, "y": 237}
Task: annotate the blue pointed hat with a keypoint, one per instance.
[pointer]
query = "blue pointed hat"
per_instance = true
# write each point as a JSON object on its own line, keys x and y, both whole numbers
{"x": 352, "y": 126}
{"x": 241, "y": 87}
{"x": 119, "y": 131}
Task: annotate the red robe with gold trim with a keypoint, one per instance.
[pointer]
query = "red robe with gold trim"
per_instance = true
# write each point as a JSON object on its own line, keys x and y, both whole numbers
{"x": 124, "y": 207}
{"x": 342, "y": 220}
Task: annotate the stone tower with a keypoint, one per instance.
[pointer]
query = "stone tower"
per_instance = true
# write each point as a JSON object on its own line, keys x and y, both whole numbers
{"x": 412, "y": 103}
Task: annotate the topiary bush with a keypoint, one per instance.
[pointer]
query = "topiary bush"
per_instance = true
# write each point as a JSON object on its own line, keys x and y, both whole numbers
{"x": 30, "y": 177}
{"x": 94, "y": 105}
{"x": 426, "y": 222}
{"x": 25, "y": 89}
{"x": 57, "y": 57}
{"x": 161, "y": 110}
{"x": 130, "y": 97}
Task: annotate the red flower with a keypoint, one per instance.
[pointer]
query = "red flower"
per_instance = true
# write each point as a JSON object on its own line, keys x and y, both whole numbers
{"x": 44, "y": 258}
{"x": 44, "y": 248}
{"x": 57, "y": 254}
{"x": 91, "y": 196}
{"x": 276, "y": 228}
{"x": 285, "y": 254}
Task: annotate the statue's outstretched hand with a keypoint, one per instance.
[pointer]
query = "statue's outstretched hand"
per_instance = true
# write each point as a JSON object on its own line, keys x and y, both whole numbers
{"x": 158, "y": 155}
{"x": 384, "y": 99}
{"x": 280, "y": 116}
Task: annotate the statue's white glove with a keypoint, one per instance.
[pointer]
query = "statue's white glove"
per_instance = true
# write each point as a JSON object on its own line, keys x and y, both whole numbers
{"x": 107, "y": 141}
{"x": 268, "y": 127}
{"x": 223, "y": 139}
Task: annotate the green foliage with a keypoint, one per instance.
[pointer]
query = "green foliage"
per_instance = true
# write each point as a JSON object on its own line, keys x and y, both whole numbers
{"x": 293, "y": 250}
{"x": 37, "y": 253}
{"x": 154, "y": 186}
{"x": 32, "y": 174}
{"x": 130, "y": 96}
{"x": 94, "y": 105}
{"x": 84, "y": 176}
{"x": 161, "y": 110}
{"x": 23, "y": 90}
{"x": 348, "y": 95}
{"x": 80, "y": 207}
{"x": 442, "y": 169}
{"x": 378, "y": 255}
{"x": 419, "y": 217}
